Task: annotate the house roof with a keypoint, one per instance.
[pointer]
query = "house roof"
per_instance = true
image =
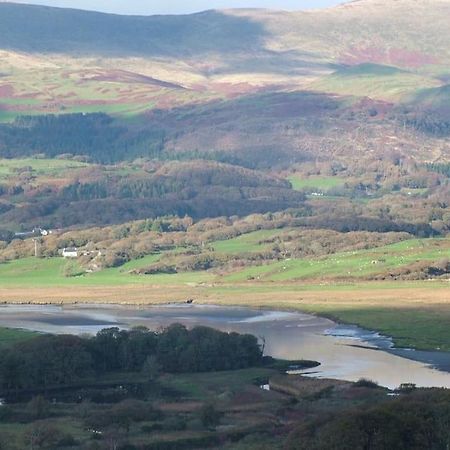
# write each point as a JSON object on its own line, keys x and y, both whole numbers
{"x": 70, "y": 250}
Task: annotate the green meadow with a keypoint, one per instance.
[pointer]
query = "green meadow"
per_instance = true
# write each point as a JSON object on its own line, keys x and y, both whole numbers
{"x": 49, "y": 272}
{"x": 375, "y": 81}
{"x": 11, "y": 336}
{"x": 39, "y": 167}
{"x": 315, "y": 182}
{"x": 246, "y": 243}
{"x": 356, "y": 264}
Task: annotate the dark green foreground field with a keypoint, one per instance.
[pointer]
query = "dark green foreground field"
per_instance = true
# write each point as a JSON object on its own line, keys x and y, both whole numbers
{"x": 227, "y": 410}
{"x": 137, "y": 394}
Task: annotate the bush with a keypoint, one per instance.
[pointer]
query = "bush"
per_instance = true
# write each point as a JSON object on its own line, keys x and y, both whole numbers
{"x": 183, "y": 444}
{"x": 152, "y": 428}
{"x": 364, "y": 382}
{"x": 6, "y": 414}
{"x": 175, "y": 424}
{"x": 209, "y": 416}
{"x": 67, "y": 441}
{"x": 72, "y": 269}
{"x": 39, "y": 407}
{"x": 123, "y": 414}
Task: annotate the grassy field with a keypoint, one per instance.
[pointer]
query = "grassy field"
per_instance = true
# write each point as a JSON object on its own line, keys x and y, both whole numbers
{"x": 375, "y": 81}
{"x": 250, "y": 242}
{"x": 415, "y": 313}
{"x": 49, "y": 272}
{"x": 73, "y": 88}
{"x": 10, "y": 336}
{"x": 39, "y": 167}
{"x": 355, "y": 264}
{"x": 321, "y": 183}
{"x": 205, "y": 386}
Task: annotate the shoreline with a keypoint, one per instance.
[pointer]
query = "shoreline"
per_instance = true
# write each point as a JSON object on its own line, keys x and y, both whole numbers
{"x": 439, "y": 360}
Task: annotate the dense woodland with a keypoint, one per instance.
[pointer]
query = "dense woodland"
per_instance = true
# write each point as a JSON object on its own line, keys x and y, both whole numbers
{"x": 432, "y": 122}
{"x": 95, "y": 136}
{"x": 176, "y": 163}
{"x": 377, "y": 195}
{"x": 50, "y": 361}
{"x": 420, "y": 421}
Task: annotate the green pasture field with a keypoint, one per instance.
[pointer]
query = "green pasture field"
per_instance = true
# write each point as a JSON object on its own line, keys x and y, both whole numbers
{"x": 206, "y": 385}
{"x": 375, "y": 81}
{"x": 246, "y": 243}
{"x": 7, "y": 116}
{"x": 425, "y": 329}
{"x": 41, "y": 167}
{"x": 347, "y": 265}
{"x": 315, "y": 182}
{"x": 11, "y": 336}
{"x": 48, "y": 272}
{"x": 355, "y": 264}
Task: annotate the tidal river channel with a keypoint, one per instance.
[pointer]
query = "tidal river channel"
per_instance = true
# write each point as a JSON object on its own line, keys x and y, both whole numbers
{"x": 345, "y": 352}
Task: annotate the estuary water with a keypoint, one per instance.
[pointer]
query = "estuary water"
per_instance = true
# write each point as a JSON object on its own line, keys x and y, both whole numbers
{"x": 345, "y": 352}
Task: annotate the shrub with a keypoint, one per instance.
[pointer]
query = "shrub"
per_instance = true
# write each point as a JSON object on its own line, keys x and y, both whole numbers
{"x": 209, "y": 416}
{"x": 364, "y": 382}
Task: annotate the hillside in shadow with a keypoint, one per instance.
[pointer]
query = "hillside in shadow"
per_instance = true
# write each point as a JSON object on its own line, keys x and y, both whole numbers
{"x": 40, "y": 29}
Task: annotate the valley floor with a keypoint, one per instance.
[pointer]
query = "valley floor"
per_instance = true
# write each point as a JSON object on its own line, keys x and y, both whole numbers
{"x": 415, "y": 314}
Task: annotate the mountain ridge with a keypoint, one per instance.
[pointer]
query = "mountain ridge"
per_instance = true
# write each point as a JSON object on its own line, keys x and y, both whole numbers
{"x": 388, "y": 61}
{"x": 264, "y": 24}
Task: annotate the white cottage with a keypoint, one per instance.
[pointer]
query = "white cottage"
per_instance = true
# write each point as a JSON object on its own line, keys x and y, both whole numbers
{"x": 70, "y": 252}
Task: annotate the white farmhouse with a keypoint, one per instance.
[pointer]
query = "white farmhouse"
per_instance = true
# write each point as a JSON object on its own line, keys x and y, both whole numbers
{"x": 70, "y": 252}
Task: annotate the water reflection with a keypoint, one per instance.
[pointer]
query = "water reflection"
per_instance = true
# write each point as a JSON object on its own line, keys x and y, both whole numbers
{"x": 286, "y": 335}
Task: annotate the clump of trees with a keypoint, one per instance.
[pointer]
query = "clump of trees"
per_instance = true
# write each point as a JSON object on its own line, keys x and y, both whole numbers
{"x": 431, "y": 121}
{"x": 48, "y": 361}
{"x": 442, "y": 168}
{"x": 415, "y": 422}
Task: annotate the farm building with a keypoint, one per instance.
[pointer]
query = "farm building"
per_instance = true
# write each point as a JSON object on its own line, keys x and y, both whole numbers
{"x": 70, "y": 252}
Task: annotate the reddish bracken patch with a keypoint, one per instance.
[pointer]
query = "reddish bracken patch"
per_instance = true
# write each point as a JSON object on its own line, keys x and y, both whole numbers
{"x": 232, "y": 90}
{"x": 376, "y": 109}
{"x": 392, "y": 56}
{"x": 122, "y": 76}
{"x": 6, "y": 90}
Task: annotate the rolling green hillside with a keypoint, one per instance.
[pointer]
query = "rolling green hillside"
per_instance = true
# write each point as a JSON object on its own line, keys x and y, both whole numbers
{"x": 256, "y": 88}
{"x": 254, "y": 157}
{"x": 437, "y": 98}
{"x": 380, "y": 262}
{"x": 67, "y": 60}
{"x": 376, "y": 81}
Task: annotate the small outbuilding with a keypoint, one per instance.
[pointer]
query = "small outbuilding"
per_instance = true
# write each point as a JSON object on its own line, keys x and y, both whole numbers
{"x": 70, "y": 252}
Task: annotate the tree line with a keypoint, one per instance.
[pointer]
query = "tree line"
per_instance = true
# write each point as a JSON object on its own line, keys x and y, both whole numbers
{"x": 442, "y": 168}
{"x": 51, "y": 361}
